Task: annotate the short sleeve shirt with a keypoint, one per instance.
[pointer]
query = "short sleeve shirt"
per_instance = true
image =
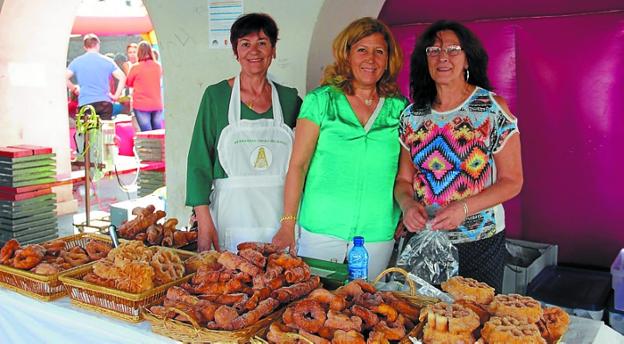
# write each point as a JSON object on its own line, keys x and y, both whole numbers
{"x": 349, "y": 186}
{"x": 93, "y": 71}
{"x": 453, "y": 154}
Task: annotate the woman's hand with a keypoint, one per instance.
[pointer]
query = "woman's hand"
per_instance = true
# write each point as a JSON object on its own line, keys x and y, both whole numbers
{"x": 285, "y": 237}
{"x": 414, "y": 216}
{"x": 450, "y": 217}
{"x": 207, "y": 236}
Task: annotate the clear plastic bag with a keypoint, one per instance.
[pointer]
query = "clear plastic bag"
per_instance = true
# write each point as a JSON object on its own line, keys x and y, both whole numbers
{"x": 431, "y": 256}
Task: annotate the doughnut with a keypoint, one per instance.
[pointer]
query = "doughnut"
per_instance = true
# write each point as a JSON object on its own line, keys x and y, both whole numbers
{"x": 370, "y": 319}
{"x": 309, "y": 316}
{"x": 322, "y": 295}
{"x": 97, "y": 249}
{"x": 76, "y": 256}
{"x": 54, "y": 247}
{"x": 7, "y": 251}
{"x": 28, "y": 257}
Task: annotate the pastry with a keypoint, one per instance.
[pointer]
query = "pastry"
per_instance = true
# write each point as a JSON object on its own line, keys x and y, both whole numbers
{"x": 517, "y": 306}
{"x": 463, "y": 288}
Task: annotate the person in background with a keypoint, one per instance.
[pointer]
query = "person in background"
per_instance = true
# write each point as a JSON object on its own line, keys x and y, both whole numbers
{"x": 93, "y": 71}
{"x": 241, "y": 144}
{"x": 345, "y": 158}
{"x": 132, "y": 54}
{"x": 144, "y": 80}
{"x": 462, "y": 150}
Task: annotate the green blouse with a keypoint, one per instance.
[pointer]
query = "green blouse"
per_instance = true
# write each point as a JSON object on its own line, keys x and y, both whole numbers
{"x": 203, "y": 164}
{"x": 349, "y": 185}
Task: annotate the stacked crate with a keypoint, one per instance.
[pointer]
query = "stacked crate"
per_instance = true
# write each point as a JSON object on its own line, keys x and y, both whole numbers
{"x": 150, "y": 148}
{"x": 27, "y": 203}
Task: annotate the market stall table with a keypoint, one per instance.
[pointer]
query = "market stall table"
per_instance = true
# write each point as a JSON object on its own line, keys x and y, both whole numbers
{"x": 25, "y": 320}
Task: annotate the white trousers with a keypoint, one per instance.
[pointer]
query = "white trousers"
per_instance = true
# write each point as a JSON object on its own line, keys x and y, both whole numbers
{"x": 333, "y": 249}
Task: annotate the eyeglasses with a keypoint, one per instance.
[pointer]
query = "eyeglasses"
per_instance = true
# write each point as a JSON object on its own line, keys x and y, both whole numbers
{"x": 451, "y": 50}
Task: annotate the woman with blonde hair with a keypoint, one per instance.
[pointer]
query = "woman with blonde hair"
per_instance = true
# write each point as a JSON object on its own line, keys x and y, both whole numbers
{"x": 345, "y": 156}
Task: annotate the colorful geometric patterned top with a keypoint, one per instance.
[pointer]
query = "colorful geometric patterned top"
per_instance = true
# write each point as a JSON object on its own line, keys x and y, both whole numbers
{"x": 453, "y": 152}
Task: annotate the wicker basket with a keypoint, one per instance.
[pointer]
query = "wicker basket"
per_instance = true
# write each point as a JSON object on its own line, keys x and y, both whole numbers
{"x": 44, "y": 287}
{"x": 412, "y": 296}
{"x": 194, "y": 333}
{"x": 117, "y": 303}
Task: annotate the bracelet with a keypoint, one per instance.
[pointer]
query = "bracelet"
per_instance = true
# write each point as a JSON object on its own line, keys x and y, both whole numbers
{"x": 288, "y": 218}
{"x": 465, "y": 209}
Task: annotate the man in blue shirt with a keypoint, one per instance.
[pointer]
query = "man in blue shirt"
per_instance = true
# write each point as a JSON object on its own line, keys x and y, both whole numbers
{"x": 93, "y": 72}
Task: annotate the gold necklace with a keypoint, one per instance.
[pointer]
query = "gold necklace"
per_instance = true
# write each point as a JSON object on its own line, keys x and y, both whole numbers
{"x": 367, "y": 101}
{"x": 251, "y": 102}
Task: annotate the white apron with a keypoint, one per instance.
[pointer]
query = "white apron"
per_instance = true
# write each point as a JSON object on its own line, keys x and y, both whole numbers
{"x": 247, "y": 205}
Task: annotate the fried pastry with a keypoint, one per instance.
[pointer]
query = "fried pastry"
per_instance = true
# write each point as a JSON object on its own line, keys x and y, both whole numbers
{"x": 463, "y": 288}
{"x": 167, "y": 266}
{"x": 431, "y": 336}
{"x": 522, "y": 334}
{"x": 553, "y": 324}
{"x": 137, "y": 277}
{"x": 517, "y": 306}
{"x": 504, "y": 321}
{"x": 451, "y": 318}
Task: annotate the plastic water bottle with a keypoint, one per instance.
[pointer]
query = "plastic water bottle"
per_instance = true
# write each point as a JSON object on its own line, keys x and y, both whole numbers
{"x": 358, "y": 260}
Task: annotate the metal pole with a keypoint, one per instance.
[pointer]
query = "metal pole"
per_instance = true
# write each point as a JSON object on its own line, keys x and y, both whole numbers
{"x": 87, "y": 153}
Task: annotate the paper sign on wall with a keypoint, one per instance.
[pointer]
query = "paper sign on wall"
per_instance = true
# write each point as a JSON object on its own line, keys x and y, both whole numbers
{"x": 221, "y": 16}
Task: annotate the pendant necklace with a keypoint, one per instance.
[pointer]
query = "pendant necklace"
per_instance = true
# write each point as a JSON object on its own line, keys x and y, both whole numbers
{"x": 367, "y": 101}
{"x": 250, "y": 103}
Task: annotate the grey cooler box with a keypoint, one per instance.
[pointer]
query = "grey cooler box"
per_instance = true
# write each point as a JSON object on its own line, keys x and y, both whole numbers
{"x": 524, "y": 262}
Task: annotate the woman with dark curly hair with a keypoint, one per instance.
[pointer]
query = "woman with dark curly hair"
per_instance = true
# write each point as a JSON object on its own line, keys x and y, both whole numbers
{"x": 462, "y": 151}
{"x": 346, "y": 152}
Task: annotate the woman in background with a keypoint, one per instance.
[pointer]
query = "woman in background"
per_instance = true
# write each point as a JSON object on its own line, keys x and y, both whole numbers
{"x": 462, "y": 150}
{"x": 346, "y": 152}
{"x": 144, "y": 79}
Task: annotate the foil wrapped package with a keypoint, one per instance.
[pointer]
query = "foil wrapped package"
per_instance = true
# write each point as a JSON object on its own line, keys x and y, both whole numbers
{"x": 431, "y": 256}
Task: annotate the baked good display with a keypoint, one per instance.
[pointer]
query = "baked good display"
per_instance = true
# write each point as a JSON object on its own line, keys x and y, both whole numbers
{"x": 354, "y": 313}
{"x": 232, "y": 291}
{"x": 145, "y": 227}
{"x": 508, "y": 319}
{"x": 51, "y": 257}
{"x": 517, "y": 306}
{"x": 463, "y": 288}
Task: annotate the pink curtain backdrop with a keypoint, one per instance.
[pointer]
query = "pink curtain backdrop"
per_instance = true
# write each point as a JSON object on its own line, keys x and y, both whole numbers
{"x": 563, "y": 78}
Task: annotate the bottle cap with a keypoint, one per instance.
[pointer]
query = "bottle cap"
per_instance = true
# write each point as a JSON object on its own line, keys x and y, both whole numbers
{"x": 358, "y": 240}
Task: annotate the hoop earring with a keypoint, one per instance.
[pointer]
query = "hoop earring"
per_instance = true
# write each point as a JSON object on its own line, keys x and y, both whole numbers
{"x": 467, "y": 74}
